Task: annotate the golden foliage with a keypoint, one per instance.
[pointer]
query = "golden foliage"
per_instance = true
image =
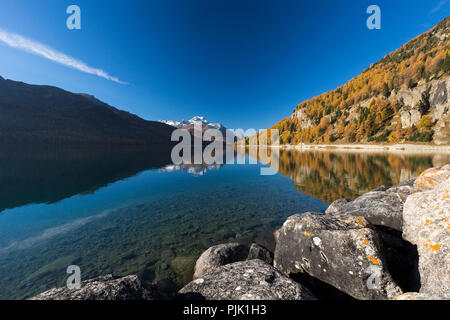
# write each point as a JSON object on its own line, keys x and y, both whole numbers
{"x": 423, "y": 58}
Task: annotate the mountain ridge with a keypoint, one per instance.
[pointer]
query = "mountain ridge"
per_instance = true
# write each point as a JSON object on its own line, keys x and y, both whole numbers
{"x": 49, "y": 115}
{"x": 401, "y": 98}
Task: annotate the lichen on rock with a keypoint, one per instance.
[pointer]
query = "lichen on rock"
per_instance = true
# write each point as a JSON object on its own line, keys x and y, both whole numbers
{"x": 245, "y": 280}
{"x": 342, "y": 251}
{"x": 426, "y": 220}
{"x": 104, "y": 288}
{"x": 432, "y": 177}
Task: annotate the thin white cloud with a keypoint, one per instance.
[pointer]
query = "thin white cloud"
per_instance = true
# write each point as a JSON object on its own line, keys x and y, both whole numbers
{"x": 19, "y": 42}
{"x": 439, "y": 6}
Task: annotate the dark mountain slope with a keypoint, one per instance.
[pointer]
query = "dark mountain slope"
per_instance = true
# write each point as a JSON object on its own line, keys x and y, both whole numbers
{"x": 44, "y": 114}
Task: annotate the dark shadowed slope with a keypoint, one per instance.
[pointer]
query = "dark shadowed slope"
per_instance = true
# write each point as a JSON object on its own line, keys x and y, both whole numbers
{"x": 48, "y": 174}
{"x": 44, "y": 114}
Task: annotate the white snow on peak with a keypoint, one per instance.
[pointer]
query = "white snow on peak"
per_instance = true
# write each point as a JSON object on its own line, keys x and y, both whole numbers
{"x": 195, "y": 120}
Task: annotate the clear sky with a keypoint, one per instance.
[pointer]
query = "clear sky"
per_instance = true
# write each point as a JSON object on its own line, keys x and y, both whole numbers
{"x": 243, "y": 63}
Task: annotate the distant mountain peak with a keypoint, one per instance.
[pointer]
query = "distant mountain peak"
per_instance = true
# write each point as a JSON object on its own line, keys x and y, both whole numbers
{"x": 195, "y": 120}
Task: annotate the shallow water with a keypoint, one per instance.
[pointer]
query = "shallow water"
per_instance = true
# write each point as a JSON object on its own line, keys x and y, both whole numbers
{"x": 131, "y": 211}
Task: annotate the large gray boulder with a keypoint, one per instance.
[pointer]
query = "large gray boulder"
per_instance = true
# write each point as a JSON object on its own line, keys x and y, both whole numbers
{"x": 337, "y": 206}
{"x": 245, "y": 280}
{"x": 342, "y": 251}
{"x": 382, "y": 206}
{"x": 378, "y": 207}
{"x": 259, "y": 252}
{"x": 103, "y": 288}
{"x": 402, "y": 189}
{"x": 426, "y": 223}
{"x": 219, "y": 255}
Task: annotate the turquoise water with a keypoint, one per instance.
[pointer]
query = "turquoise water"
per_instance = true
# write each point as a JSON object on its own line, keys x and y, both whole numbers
{"x": 131, "y": 212}
{"x": 154, "y": 223}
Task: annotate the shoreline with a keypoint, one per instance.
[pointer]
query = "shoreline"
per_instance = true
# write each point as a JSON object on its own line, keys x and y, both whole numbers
{"x": 372, "y": 147}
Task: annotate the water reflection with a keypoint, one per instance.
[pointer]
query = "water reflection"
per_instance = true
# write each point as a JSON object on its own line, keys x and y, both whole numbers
{"x": 193, "y": 169}
{"x": 330, "y": 175}
{"x": 44, "y": 174}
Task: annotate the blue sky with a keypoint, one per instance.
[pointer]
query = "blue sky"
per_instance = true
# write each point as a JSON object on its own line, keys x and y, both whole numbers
{"x": 243, "y": 63}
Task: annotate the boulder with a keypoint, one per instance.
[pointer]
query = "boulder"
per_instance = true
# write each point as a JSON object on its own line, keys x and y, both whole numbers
{"x": 337, "y": 206}
{"x": 426, "y": 224}
{"x": 245, "y": 280}
{"x": 418, "y": 296}
{"x": 342, "y": 251}
{"x": 276, "y": 233}
{"x": 381, "y": 188}
{"x": 103, "y": 288}
{"x": 432, "y": 177}
{"x": 406, "y": 187}
{"x": 219, "y": 255}
{"x": 404, "y": 190}
{"x": 409, "y": 182}
{"x": 382, "y": 206}
{"x": 258, "y": 252}
{"x": 378, "y": 207}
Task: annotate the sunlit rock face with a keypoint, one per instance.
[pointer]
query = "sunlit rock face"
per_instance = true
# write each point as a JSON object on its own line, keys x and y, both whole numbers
{"x": 430, "y": 178}
{"x": 426, "y": 224}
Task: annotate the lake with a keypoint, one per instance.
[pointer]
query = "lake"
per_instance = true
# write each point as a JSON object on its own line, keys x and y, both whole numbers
{"x": 131, "y": 211}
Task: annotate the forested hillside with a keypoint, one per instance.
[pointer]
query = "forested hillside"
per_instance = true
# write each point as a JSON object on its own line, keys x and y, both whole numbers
{"x": 401, "y": 98}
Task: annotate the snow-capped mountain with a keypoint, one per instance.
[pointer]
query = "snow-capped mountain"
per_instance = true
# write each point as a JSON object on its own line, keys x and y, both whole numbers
{"x": 189, "y": 125}
{"x": 193, "y": 121}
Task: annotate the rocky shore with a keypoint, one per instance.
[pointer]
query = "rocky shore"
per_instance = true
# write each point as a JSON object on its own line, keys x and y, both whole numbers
{"x": 390, "y": 243}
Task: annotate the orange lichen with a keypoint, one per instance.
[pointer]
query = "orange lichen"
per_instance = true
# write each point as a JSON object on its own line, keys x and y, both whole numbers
{"x": 374, "y": 260}
{"x": 434, "y": 247}
{"x": 360, "y": 221}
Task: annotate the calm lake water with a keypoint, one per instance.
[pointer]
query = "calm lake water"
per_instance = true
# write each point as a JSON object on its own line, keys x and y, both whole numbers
{"x": 133, "y": 212}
